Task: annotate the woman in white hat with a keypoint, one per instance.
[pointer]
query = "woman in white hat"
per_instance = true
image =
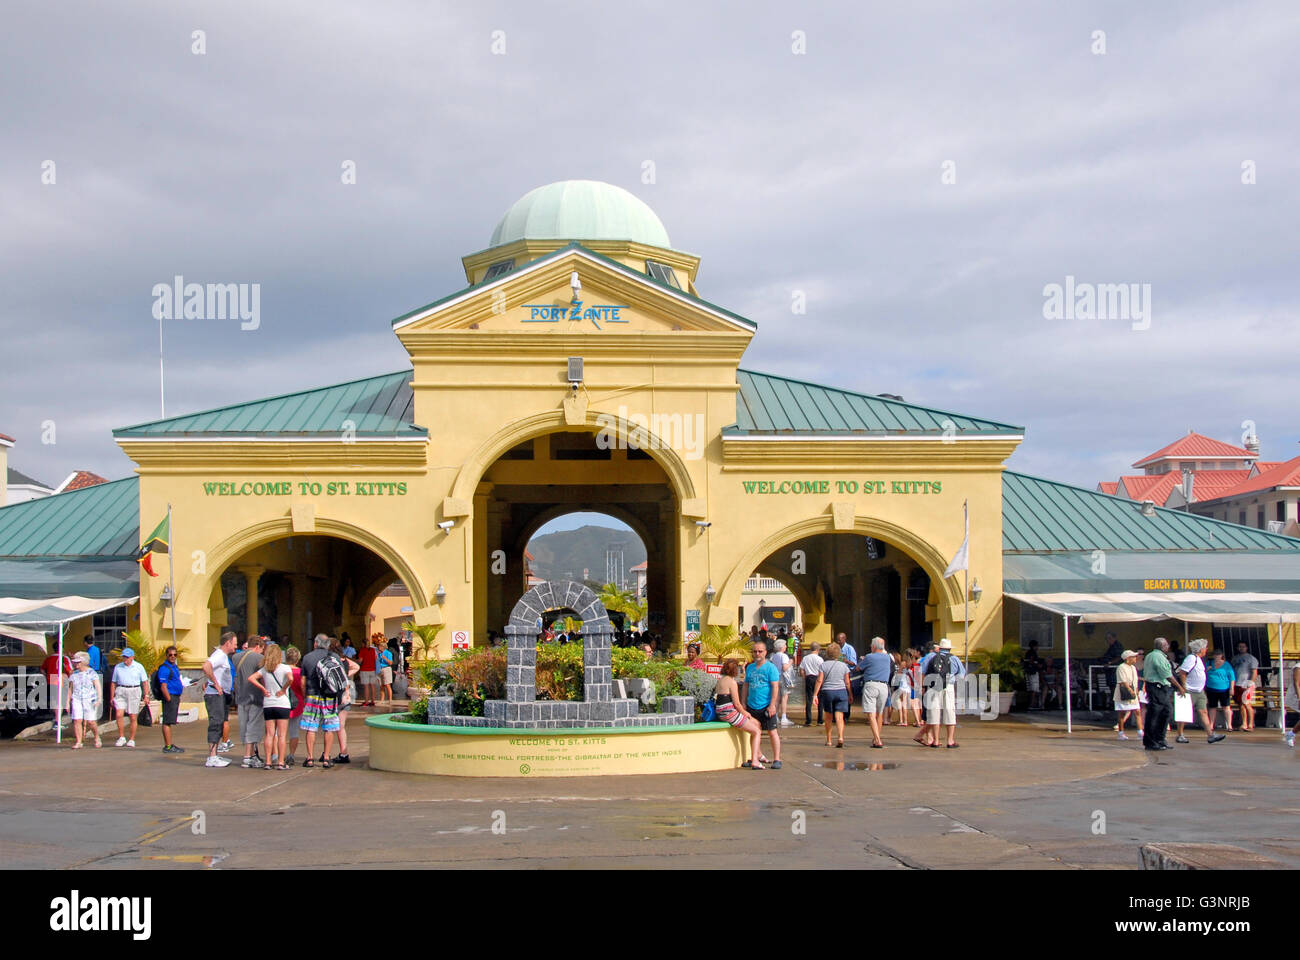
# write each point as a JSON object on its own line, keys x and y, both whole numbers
{"x": 86, "y": 694}
{"x": 1126, "y": 690}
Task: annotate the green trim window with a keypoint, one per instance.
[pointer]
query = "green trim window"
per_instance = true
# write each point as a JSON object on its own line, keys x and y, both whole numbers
{"x": 498, "y": 269}
{"x": 1035, "y": 624}
{"x": 107, "y": 627}
{"x": 662, "y": 272}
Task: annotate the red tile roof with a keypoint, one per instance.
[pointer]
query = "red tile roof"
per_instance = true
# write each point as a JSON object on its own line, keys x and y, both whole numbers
{"x": 79, "y": 480}
{"x": 643, "y": 565}
{"x": 1196, "y": 446}
{"x": 1155, "y": 488}
{"x": 1285, "y": 474}
{"x": 1108, "y": 486}
{"x": 1211, "y": 484}
{"x": 1259, "y": 466}
{"x": 7, "y": 439}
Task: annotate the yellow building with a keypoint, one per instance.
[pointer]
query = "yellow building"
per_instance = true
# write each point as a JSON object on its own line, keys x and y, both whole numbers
{"x": 580, "y": 368}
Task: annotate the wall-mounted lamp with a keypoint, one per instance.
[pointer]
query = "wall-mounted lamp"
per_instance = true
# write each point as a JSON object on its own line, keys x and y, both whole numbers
{"x": 166, "y": 595}
{"x": 976, "y": 591}
{"x": 440, "y": 595}
{"x": 709, "y": 592}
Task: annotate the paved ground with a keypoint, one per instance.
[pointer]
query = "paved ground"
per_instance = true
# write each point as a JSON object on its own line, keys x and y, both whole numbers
{"x": 1016, "y": 794}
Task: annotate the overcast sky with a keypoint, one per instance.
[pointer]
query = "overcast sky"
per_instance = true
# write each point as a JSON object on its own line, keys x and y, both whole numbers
{"x": 819, "y": 172}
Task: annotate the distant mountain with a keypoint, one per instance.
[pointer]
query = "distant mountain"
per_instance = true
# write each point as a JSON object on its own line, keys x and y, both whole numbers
{"x": 563, "y": 555}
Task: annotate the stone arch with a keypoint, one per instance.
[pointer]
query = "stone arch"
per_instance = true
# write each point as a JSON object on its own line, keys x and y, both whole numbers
{"x": 521, "y": 633}
{"x": 491, "y": 449}
{"x": 922, "y": 551}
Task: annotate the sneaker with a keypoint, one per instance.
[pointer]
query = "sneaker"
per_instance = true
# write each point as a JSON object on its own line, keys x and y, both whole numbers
{"x": 174, "y": 749}
{"x": 1123, "y": 736}
{"x": 224, "y": 747}
{"x": 1181, "y": 739}
{"x": 121, "y": 742}
{"x": 1290, "y": 738}
{"x": 131, "y": 743}
{"x": 1217, "y": 737}
{"x": 252, "y": 763}
{"x": 776, "y": 764}
{"x": 342, "y": 758}
{"x": 787, "y": 722}
{"x": 289, "y": 761}
{"x": 217, "y": 762}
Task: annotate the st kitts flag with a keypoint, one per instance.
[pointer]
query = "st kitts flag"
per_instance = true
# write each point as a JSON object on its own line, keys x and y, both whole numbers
{"x": 156, "y": 542}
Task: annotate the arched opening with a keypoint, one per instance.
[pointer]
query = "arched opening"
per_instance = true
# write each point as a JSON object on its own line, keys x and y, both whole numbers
{"x": 768, "y": 605}
{"x": 529, "y": 497}
{"x": 852, "y": 583}
{"x": 292, "y": 587}
{"x": 598, "y": 549}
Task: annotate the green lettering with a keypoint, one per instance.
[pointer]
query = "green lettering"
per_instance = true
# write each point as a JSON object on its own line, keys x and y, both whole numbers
{"x": 210, "y": 487}
{"x": 749, "y": 485}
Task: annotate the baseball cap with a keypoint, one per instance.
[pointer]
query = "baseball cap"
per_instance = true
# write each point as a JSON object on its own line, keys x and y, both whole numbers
{"x": 128, "y": 652}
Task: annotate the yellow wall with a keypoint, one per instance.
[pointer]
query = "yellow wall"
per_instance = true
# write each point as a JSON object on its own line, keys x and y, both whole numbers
{"x": 486, "y": 380}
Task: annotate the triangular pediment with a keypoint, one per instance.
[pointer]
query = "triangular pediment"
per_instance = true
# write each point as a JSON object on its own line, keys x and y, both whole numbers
{"x": 538, "y": 299}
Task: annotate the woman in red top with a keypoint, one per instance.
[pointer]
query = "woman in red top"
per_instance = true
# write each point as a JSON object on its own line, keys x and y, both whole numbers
{"x": 297, "y": 699}
{"x": 367, "y": 678}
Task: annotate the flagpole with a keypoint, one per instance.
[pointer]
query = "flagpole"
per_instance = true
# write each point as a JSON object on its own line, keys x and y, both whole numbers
{"x": 171, "y": 570}
{"x": 966, "y": 583}
{"x": 162, "y": 390}
{"x": 58, "y": 709}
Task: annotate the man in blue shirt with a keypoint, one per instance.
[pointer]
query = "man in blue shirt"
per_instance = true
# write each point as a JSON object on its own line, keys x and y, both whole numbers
{"x": 759, "y": 692}
{"x": 850, "y": 655}
{"x": 96, "y": 659}
{"x": 172, "y": 686}
{"x": 876, "y": 670}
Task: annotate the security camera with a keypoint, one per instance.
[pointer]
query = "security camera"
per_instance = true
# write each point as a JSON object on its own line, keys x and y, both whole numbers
{"x": 703, "y": 524}
{"x": 446, "y": 524}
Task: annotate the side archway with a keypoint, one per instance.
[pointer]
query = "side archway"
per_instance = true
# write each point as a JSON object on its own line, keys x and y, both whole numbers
{"x": 922, "y": 551}
{"x": 237, "y": 544}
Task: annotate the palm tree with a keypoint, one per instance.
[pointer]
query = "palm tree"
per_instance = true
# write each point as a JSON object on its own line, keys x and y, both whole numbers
{"x": 424, "y": 638}
{"x": 718, "y": 642}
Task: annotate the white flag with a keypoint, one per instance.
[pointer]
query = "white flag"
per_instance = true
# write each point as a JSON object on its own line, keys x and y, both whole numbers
{"x": 961, "y": 560}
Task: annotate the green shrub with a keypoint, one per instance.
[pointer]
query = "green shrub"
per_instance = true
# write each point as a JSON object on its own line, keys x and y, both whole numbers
{"x": 419, "y": 711}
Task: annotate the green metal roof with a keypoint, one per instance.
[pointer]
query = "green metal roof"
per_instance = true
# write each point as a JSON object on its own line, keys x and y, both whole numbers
{"x": 100, "y": 521}
{"x": 1041, "y": 516}
{"x": 745, "y": 321}
{"x": 580, "y": 210}
{"x": 381, "y": 406}
{"x": 769, "y": 404}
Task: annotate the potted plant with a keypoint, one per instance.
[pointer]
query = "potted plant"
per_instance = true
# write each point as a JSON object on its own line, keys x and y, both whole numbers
{"x": 1005, "y": 664}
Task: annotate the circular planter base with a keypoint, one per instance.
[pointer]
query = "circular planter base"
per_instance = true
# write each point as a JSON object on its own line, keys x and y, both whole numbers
{"x": 563, "y": 752}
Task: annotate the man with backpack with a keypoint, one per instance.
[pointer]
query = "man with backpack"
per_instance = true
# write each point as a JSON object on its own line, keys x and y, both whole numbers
{"x": 324, "y": 680}
{"x": 167, "y": 687}
{"x": 941, "y": 670}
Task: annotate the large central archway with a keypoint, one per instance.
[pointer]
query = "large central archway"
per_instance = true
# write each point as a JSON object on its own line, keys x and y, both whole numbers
{"x": 549, "y": 474}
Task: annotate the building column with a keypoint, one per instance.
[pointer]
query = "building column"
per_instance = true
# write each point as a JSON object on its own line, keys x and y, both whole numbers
{"x": 299, "y": 604}
{"x": 857, "y": 632}
{"x": 251, "y": 574}
{"x": 904, "y": 608}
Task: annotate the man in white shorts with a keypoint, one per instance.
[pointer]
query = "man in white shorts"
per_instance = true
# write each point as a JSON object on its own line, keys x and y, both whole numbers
{"x": 940, "y": 697}
{"x": 129, "y": 693}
